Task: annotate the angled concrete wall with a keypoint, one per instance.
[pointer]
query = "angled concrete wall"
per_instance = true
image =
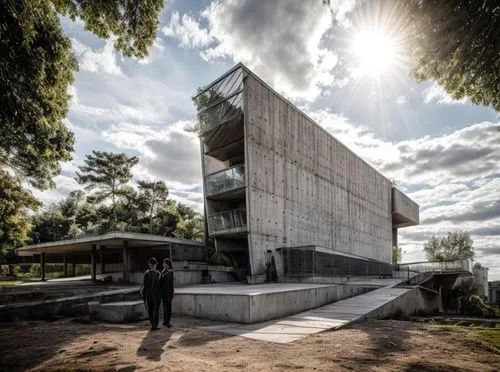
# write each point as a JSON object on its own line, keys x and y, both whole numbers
{"x": 405, "y": 212}
{"x": 306, "y": 188}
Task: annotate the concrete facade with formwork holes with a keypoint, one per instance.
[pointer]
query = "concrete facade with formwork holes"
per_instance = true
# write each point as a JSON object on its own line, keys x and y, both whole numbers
{"x": 276, "y": 184}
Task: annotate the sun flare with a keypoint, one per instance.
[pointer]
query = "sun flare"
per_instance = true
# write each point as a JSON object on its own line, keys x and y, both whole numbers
{"x": 374, "y": 52}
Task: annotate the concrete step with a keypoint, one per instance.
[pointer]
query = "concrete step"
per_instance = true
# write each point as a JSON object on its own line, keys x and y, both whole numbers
{"x": 118, "y": 312}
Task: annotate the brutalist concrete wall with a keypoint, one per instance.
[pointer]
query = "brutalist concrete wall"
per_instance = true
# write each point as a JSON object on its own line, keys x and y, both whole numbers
{"x": 404, "y": 206}
{"x": 417, "y": 300}
{"x": 306, "y": 188}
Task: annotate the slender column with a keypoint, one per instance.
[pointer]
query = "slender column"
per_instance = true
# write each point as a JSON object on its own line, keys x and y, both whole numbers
{"x": 93, "y": 262}
{"x": 394, "y": 237}
{"x": 65, "y": 263}
{"x": 42, "y": 265}
{"x": 101, "y": 258}
{"x": 125, "y": 261}
{"x": 73, "y": 268}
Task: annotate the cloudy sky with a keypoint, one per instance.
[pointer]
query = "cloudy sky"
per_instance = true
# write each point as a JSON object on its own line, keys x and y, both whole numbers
{"x": 344, "y": 69}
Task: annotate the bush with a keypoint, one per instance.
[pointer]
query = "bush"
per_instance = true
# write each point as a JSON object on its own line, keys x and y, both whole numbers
{"x": 475, "y": 306}
{"x": 82, "y": 270}
{"x": 219, "y": 258}
{"x": 50, "y": 268}
{"x": 4, "y": 269}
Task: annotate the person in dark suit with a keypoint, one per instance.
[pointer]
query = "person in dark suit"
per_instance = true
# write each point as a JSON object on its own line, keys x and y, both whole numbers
{"x": 167, "y": 290}
{"x": 150, "y": 293}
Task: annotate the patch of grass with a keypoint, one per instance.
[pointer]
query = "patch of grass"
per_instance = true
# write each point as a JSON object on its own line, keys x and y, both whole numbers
{"x": 447, "y": 328}
{"x": 476, "y": 338}
{"x": 488, "y": 338}
{"x": 11, "y": 282}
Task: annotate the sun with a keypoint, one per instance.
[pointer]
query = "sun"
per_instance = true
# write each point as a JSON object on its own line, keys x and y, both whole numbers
{"x": 374, "y": 52}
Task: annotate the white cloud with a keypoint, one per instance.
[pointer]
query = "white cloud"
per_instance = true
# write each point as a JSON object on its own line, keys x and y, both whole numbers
{"x": 401, "y": 100}
{"x": 171, "y": 154}
{"x": 453, "y": 177}
{"x": 436, "y": 93}
{"x": 187, "y": 30}
{"x": 459, "y": 156}
{"x": 104, "y": 60}
{"x": 281, "y": 43}
{"x": 280, "y": 40}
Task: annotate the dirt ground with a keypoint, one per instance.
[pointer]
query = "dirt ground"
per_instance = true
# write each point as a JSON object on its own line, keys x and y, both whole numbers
{"x": 375, "y": 345}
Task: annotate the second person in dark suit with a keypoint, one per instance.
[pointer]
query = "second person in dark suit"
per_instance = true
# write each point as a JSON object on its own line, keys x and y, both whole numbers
{"x": 167, "y": 290}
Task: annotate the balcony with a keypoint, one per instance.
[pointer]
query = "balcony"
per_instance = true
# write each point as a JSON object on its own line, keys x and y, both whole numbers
{"x": 225, "y": 181}
{"x": 228, "y": 222}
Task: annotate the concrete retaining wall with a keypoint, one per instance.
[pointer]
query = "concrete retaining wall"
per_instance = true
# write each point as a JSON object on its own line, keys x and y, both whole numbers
{"x": 414, "y": 301}
{"x": 182, "y": 277}
{"x": 252, "y": 308}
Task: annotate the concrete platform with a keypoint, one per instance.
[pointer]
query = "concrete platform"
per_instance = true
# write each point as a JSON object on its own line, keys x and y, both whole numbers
{"x": 378, "y": 303}
{"x": 243, "y": 303}
{"x": 119, "y": 312}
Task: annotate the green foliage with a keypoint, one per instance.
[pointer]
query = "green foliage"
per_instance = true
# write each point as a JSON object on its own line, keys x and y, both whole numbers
{"x": 456, "y": 43}
{"x": 455, "y": 246}
{"x": 107, "y": 175}
{"x": 477, "y": 266}
{"x": 218, "y": 258}
{"x": 397, "y": 255}
{"x": 132, "y": 22}
{"x": 14, "y": 204}
{"x": 152, "y": 197}
{"x": 192, "y": 228}
{"x": 50, "y": 225}
{"x": 147, "y": 210}
{"x": 36, "y": 68}
{"x": 475, "y": 306}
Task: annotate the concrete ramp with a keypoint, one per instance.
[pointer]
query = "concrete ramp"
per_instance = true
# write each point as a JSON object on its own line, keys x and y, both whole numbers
{"x": 381, "y": 302}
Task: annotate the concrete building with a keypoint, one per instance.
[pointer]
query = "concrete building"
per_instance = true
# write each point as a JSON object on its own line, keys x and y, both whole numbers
{"x": 494, "y": 293}
{"x": 277, "y": 185}
{"x": 480, "y": 284}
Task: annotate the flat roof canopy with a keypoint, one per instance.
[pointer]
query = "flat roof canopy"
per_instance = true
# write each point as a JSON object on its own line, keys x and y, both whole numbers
{"x": 112, "y": 240}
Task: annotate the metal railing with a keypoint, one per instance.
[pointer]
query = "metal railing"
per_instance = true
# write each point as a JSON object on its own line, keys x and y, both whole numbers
{"x": 226, "y": 180}
{"x": 308, "y": 262}
{"x": 436, "y": 266}
{"x": 220, "y": 113}
{"x": 228, "y": 221}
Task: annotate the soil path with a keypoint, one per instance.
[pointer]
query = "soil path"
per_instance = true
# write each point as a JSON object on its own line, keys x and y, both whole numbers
{"x": 377, "y": 345}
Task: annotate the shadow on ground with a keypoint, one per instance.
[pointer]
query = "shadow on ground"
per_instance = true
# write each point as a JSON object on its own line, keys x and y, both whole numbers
{"x": 28, "y": 344}
{"x": 152, "y": 346}
{"x": 198, "y": 338}
{"x": 384, "y": 340}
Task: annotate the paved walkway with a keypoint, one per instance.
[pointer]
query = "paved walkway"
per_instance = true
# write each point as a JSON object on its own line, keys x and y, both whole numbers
{"x": 331, "y": 316}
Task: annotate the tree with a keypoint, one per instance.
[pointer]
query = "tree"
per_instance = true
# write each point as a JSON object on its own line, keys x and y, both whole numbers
{"x": 454, "y": 42}
{"x": 132, "y": 22}
{"x": 36, "y": 68}
{"x": 397, "y": 254}
{"x": 192, "y": 228}
{"x": 477, "y": 266}
{"x": 455, "y": 246}
{"x": 152, "y": 196}
{"x": 50, "y": 225}
{"x": 107, "y": 174}
{"x": 14, "y": 204}
{"x": 457, "y": 43}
